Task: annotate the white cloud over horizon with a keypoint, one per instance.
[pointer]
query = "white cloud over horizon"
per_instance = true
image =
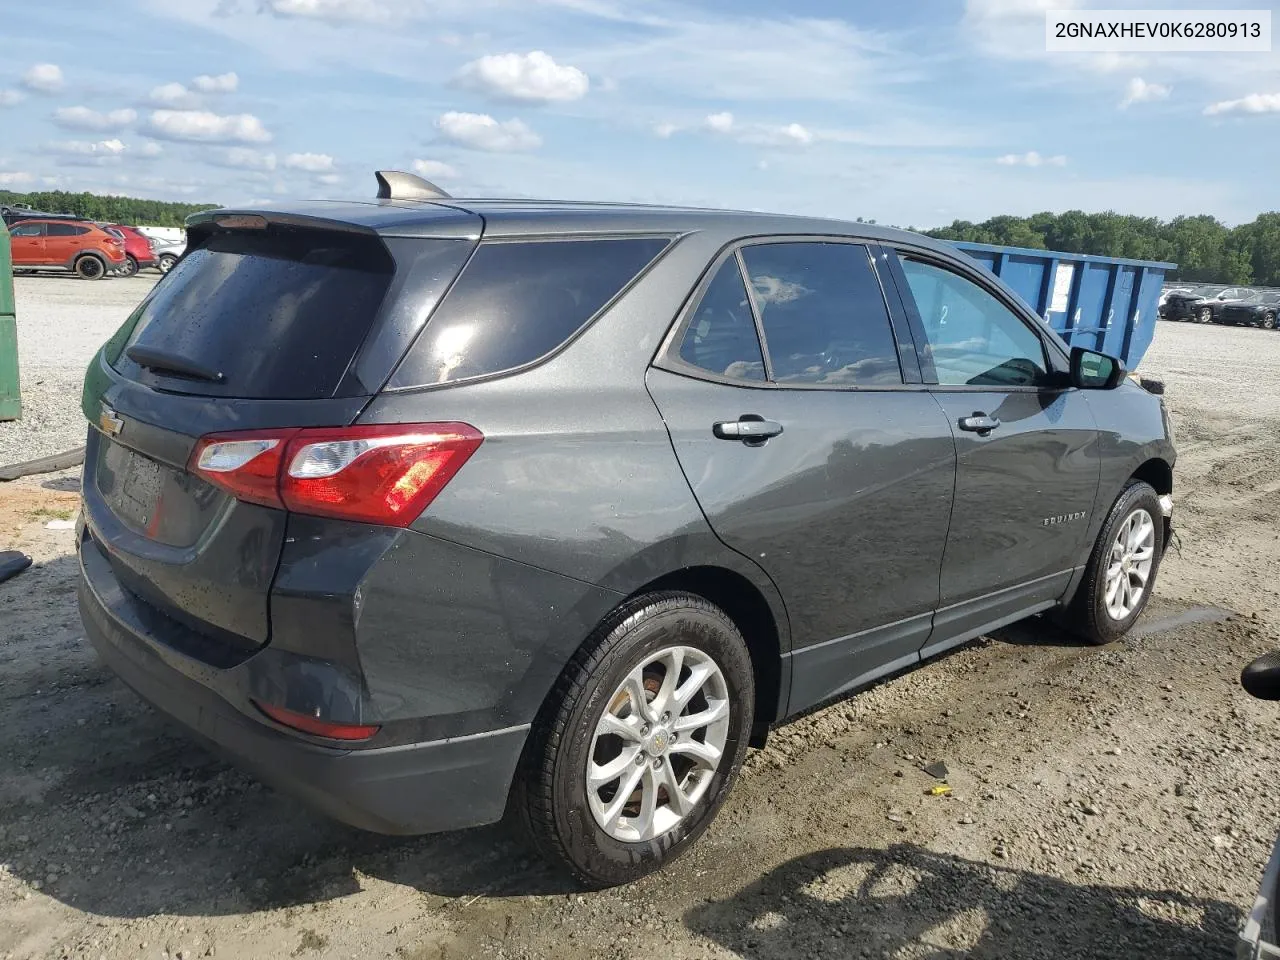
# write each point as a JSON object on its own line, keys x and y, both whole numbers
{"x": 529, "y": 77}
{"x": 479, "y": 131}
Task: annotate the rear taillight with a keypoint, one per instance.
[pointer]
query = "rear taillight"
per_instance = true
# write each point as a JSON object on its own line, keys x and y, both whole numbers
{"x": 376, "y": 473}
{"x": 306, "y": 723}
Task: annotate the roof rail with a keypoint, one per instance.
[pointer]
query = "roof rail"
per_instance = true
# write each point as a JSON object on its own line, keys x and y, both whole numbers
{"x": 396, "y": 185}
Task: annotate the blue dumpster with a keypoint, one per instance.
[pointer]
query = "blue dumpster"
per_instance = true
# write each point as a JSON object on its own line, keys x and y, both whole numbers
{"x": 1101, "y": 303}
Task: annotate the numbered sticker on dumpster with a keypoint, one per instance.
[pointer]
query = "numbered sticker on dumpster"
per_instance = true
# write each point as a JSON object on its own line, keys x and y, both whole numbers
{"x": 1062, "y": 287}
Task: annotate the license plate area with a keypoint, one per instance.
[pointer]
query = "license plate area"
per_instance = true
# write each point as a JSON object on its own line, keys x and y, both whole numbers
{"x": 152, "y": 499}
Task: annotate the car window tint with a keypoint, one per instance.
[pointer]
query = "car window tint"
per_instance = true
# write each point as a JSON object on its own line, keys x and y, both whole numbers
{"x": 27, "y": 230}
{"x": 516, "y": 302}
{"x": 971, "y": 336}
{"x": 63, "y": 230}
{"x": 721, "y": 336}
{"x": 279, "y": 312}
{"x": 823, "y": 314}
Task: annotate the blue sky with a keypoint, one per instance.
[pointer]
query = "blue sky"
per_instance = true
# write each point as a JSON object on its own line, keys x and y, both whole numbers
{"x": 916, "y": 112}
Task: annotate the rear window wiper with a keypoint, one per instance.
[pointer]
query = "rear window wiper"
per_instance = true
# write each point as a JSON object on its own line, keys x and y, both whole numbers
{"x": 162, "y": 361}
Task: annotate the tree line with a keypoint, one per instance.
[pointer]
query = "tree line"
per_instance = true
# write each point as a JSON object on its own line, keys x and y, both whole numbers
{"x": 131, "y": 211}
{"x": 1204, "y": 249}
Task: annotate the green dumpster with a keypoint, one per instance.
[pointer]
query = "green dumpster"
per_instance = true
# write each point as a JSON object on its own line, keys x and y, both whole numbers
{"x": 10, "y": 401}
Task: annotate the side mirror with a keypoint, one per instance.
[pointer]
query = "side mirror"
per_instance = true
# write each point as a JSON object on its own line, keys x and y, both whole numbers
{"x": 1091, "y": 370}
{"x": 1261, "y": 679}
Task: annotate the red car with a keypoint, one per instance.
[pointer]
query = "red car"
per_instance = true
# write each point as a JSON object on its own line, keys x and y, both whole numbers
{"x": 76, "y": 245}
{"x": 137, "y": 249}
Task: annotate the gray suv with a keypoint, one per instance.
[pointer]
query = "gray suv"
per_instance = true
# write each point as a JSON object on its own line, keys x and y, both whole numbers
{"x": 430, "y": 510}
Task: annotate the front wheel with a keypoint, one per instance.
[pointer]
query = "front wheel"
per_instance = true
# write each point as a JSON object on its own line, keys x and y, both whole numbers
{"x": 166, "y": 262}
{"x": 1122, "y": 569}
{"x": 128, "y": 268}
{"x": 1205, "y": 315}
{"x": 1268, "y": 321}
{"x": 640, "y": 741}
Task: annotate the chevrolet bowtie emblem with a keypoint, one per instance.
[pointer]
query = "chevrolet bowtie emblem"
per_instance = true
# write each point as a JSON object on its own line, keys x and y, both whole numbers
{"x": 108, "y": 422}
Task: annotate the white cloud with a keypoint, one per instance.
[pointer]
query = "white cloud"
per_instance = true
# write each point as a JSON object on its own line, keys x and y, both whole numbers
{"x": 759, "y": 134}
{"x": 219, "y": 83}
{"x": 665, "y": 131}
{"x": 171, "y": 95}
{"x": 434, "y": 170}
{"x": 1139, "y": 91}
{"x": 328, "y": 9}
{"x": 201, "y": 126}
{"x": 1253, "y": 103}
{"x": 311, "y": 162}
{"x": 1031, "y": 159}
{"x": 150, "y": 150}
{"x": 720, "y": 122}
{"x": 532, "y": 77}
{"x": 329, "y": 179}
{"x": 9, "y": 98}
{"x": 82, "y": 118}
{"x": 95, "y": 153}
{"x": 15, "y": 178}
{"x": 44, "y": 78}
{"x": 481, "y": 132}
{"x": 244, "y": 158}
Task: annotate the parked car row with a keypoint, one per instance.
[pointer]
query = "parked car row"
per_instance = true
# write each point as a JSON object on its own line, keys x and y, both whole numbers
{"x": 1214, "y": 304}
{"x": 89, "y": 250}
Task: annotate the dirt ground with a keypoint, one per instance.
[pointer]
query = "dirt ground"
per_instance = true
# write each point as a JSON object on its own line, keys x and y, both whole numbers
{"x": 1112, "y": 802}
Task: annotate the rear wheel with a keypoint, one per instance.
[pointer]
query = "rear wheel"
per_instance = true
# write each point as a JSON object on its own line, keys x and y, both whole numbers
{"x": 1204, "y": 315}
{"x": 1268, "y": 321}
{"x": 89, "y": 267}
{"x": 165, "y": 262}
{"x": 1122, "y": 568}
{"x": 640, "y": 741}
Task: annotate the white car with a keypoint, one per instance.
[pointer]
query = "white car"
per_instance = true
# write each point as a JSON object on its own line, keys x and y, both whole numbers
{"x": 167, "y": 254}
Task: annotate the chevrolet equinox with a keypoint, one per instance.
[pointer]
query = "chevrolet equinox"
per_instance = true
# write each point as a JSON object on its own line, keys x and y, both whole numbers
{"x": 431, "y": 510}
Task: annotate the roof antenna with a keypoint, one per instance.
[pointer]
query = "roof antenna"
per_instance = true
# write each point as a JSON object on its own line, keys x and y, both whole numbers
{"x": 397, "y": 185}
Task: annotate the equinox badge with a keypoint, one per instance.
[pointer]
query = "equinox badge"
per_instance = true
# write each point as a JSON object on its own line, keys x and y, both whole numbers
{"x": 1062, "y": 518}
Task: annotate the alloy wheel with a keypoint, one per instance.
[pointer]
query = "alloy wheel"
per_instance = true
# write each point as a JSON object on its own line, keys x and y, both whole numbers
{"x": 1129, "y": 566}
{"x": 658, "y": 744}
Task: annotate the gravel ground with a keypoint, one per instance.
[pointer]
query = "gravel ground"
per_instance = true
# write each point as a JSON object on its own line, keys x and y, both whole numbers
{"x": 62, "y": 321}
{"x": 1111, "y": 802}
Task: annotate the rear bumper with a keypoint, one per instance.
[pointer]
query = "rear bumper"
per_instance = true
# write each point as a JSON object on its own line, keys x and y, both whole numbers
{"x": 409, "y": 788}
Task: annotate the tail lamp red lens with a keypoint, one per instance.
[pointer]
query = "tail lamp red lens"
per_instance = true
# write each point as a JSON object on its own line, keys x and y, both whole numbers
{"x": 305, "y": 723}
{"x": 375, "y": 473}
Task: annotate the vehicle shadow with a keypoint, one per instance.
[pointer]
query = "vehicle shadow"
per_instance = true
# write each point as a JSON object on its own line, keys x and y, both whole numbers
{"x": 906, "y": 901}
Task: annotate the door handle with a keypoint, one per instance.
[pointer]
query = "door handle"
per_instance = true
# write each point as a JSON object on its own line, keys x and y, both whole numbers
{"x": 979, "y": 423}
{"x": 747, "y": 428}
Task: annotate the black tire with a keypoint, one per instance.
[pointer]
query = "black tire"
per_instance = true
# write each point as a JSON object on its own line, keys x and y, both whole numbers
{"x": 90, "y": 267}
{"x": 1204, "y": 315}
{"x": 1268, "y": 321}
{"x": 165, "y": 263}
{"x": 1087, "y": 615}
{"x": 128, "y": 268}
{"x": 549, "y": 798}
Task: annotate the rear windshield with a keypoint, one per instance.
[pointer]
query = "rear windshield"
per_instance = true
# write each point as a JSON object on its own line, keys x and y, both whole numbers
{"x": 279, "y": 313}
{"x": 518, "y": 301}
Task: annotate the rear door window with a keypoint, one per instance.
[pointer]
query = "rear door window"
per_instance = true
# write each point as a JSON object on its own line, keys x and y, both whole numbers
{"x": 823, "y": 314}
{"x": 66, "y": 230}
{"x": 721, "y": 337}
{"x": 518, "y": 301}
{"x": 279, "y": 313}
